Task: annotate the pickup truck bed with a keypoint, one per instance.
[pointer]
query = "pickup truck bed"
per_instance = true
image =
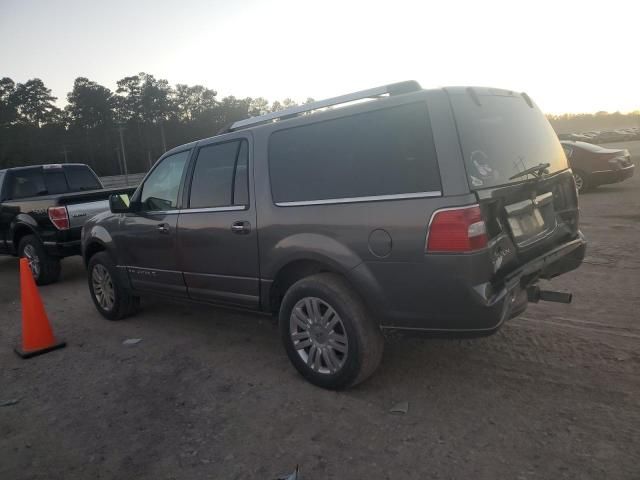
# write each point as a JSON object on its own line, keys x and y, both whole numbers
{"x": 48, "y": 225}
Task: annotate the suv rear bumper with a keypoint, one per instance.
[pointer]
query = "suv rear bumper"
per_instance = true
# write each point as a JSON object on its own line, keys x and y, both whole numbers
{"x": 605, "y": 177}
{"x": 455, "y": 293}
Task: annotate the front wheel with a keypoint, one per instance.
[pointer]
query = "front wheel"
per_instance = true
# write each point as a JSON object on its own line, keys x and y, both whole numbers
{"x": 112, "y": 299}
{"x": 44, "y": 268}
{"x": 327, "y": 332}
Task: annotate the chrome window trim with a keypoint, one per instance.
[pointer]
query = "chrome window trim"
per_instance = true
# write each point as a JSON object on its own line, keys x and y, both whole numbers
{"x": 372, "y": 198}
{"x": 230, "y": 208}
{"x": 156, "y": 212}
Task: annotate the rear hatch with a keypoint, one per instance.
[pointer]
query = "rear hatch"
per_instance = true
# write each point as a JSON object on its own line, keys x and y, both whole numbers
{"x": 503, "y": 136}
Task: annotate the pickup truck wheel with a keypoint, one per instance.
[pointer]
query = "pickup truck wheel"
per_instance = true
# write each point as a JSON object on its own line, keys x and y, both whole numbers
{"x": 111, "y": 298}
{"x": 45, "y": 269}
{"x": 327, "y": 332}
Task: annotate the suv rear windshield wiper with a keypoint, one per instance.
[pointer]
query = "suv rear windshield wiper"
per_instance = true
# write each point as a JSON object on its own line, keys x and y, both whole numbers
{"x": 536, "y": 171}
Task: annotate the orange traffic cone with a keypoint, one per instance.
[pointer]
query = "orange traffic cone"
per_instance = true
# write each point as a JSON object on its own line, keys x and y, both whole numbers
{"x": 37, "y": 336}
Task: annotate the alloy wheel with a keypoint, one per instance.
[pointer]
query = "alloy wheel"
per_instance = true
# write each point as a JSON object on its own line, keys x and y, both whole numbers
{"x": 34, "y": 261}
{"x": 103, "y": 287}
{"x": 318, "y": 335}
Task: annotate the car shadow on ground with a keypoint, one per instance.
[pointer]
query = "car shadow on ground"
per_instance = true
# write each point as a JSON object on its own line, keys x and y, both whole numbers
{"x": 254, "y": 339}
{"x": 614, "y": 188}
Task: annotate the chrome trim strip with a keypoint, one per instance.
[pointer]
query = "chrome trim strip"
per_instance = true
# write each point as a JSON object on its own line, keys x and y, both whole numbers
{"x": 230, "y": 208}
{"x": 70, "y": 243}
{"x": 158, "y": 212}
{"x": 373, "y": 198}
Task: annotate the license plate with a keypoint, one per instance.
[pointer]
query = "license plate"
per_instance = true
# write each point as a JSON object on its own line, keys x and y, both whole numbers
{"x": 531, "y": 219}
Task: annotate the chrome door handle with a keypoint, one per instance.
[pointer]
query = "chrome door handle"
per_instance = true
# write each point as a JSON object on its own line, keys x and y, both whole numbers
{"x": 163, "y": 228}
{"x": 241, "y": 228}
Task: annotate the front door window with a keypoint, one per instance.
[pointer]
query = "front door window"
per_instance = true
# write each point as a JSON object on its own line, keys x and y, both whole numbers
{"x": 160, "y": 190}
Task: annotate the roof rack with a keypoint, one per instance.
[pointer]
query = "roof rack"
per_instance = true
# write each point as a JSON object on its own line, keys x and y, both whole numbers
{"x": 391, "y": 89}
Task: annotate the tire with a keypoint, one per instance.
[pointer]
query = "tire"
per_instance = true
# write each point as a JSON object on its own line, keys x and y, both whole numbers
{"x": 582, "y": 181}
{"x": 45, "y": 268}
{"x": 112, "y": 299}
{"x": 347, "y": 341}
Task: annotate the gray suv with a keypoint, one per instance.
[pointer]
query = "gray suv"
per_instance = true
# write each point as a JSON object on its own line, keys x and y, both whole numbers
{"x": 392, "y": 208}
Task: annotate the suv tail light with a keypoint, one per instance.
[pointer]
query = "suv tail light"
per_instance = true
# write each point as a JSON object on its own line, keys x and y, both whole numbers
{"x": 457, "y": 230}
{"x": 59, "y": 217}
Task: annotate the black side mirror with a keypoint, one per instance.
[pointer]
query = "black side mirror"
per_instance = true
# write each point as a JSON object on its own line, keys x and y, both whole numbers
{"x": 120, "y": 203}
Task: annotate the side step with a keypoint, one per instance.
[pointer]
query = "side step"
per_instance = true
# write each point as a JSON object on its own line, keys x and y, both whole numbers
{"x": 535, "y": 295}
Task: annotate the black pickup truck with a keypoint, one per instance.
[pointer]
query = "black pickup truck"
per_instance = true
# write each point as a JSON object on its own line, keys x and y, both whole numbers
{"x": 42, "y": 211}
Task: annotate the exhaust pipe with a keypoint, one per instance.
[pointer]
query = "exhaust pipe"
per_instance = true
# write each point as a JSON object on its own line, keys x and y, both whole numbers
{"x": 535, "y": 295}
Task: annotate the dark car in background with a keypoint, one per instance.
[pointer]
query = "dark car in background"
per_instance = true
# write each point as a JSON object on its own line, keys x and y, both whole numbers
{"x": 610, "y": 136}
{"x": 575, "y": 137}
{"x": 42, "y": 210}
{"x": 593, "y": 165}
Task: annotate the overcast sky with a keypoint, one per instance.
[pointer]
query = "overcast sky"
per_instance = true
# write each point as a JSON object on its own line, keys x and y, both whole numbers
{"x": 570, "y": 56}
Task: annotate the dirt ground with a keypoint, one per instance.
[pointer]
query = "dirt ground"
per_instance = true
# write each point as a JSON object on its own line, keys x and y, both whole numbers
{"x": 210, "y": 394}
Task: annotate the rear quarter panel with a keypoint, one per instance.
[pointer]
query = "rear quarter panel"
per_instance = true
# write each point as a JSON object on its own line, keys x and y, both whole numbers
{"x": 339, "y": 235}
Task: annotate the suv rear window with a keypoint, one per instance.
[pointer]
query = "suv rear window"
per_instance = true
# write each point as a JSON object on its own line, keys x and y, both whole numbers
{"x": 383, "y": 152}
{"x": 503, "y": 136}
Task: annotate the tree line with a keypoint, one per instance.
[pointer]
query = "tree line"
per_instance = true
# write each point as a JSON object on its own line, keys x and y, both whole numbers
{"x": 584, "y": 122}
{"x": 146, "y": 116}
{"x": 143, "y": 118}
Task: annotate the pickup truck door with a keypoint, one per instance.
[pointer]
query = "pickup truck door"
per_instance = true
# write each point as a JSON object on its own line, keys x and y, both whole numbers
{"x": 146, "y": 239}
{"x": 217, "y": 235}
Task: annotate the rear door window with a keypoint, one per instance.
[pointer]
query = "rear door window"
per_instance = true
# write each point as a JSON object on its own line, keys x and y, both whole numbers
{"x": 383, "y": 152}
{"x": 27, "y": 183}
{"x": 81, "y": 178}
{"x": 220, "y": 176}
{"x": 55, "y": 182}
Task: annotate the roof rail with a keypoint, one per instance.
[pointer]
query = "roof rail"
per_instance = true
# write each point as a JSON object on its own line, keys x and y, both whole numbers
{"x": 391, "y": 89}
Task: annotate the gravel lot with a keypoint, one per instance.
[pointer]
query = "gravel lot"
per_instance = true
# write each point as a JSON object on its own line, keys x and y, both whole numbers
{"x": 209, "y": 393}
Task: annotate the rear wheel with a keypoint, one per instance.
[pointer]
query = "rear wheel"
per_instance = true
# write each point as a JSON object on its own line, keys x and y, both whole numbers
{"x": 45, "y": 268}
{"x": 327, "y": 332}
{"x": 582, "y": 183}
{"x": 112, "y": 299}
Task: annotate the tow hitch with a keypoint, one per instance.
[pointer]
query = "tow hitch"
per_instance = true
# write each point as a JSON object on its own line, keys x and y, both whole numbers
{"x": 535, "y": 295}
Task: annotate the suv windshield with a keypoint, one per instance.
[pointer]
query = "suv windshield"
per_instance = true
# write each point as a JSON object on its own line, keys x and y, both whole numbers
{"x": 502, "y": 136}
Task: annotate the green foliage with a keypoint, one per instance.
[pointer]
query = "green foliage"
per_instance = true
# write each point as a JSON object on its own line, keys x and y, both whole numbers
{"x": 151, "y": 114}
{"x": 35, "y": 104}
{"x": 8, "y": 110}
{"x": 90, "y": 105}
{"x": 192, "y": 102}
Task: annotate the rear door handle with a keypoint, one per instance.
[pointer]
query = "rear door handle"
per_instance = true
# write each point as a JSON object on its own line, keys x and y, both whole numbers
{"x": 163, "y": 228}
{"x": 241, "y": 228}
